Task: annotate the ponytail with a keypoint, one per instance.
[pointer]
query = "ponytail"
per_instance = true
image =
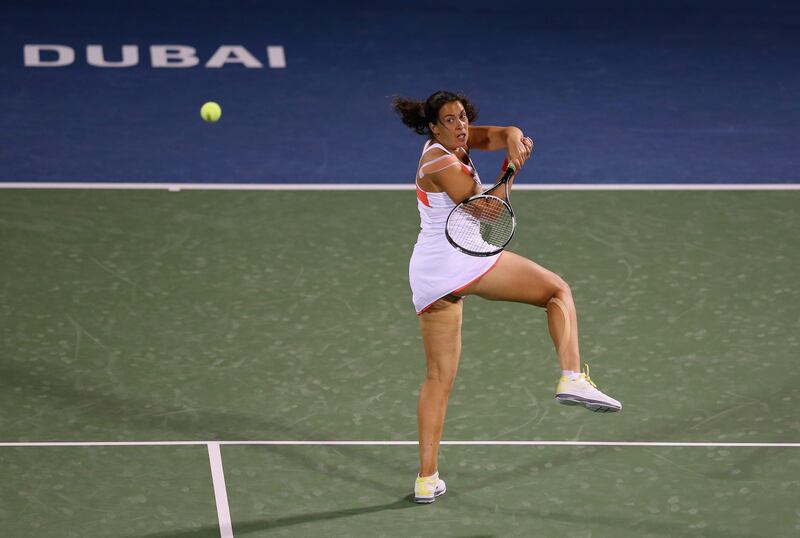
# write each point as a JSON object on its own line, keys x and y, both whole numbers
{"x": 412, "y": 114}
{"x": 418, "y": 114}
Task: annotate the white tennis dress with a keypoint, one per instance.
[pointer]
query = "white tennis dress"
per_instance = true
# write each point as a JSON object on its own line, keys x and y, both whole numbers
{"x": 437, "y": 269}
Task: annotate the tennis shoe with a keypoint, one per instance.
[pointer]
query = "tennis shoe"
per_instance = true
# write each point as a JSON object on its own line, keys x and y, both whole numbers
{"x": 582, "y": 391}
{"x": 427, "y": 488}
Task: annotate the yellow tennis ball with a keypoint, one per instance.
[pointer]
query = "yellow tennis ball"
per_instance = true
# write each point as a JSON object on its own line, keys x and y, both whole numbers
{"x": 210, "y": 111}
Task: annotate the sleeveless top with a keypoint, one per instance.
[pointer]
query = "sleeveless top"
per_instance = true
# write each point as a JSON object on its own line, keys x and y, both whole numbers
{"x": 436, "y": 268}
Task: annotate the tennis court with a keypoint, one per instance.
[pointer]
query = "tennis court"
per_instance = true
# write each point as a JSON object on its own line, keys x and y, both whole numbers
{"x": 206, "y": 329}
{"x": 253, "y": 332}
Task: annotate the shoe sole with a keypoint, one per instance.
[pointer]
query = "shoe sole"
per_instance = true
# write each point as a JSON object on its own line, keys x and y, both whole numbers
{"x": 429, "y": 500}
{"x": 591, "y": 405}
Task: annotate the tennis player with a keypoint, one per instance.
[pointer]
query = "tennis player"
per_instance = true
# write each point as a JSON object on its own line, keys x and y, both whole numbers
{"x": 441, "y": 276}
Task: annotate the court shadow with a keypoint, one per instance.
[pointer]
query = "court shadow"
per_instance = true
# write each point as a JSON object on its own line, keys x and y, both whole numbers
{"x": 748, "y": 466}
{"x": 247, "y": 527}
{"x": 154, "y": 419}
{"x": 673, "y": 430}
{"x": 146, "y": 418}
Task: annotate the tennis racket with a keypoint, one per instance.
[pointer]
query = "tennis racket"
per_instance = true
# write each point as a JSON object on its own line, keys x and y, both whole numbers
{"x": 483, "y": 224}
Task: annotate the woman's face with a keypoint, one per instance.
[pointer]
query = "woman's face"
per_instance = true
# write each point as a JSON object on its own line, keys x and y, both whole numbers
{"x": 452, "y": 127}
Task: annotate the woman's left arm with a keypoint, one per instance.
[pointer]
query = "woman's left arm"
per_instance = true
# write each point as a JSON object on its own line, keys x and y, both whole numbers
{"x": 490, "y": 138}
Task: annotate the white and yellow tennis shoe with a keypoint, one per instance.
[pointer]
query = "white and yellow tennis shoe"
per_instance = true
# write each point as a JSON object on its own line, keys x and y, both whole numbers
{"x": 582, "y": 391}
{"x": 427, "y": 488}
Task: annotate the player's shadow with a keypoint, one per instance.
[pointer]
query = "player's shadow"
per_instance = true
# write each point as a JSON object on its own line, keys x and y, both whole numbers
{"x": 156, "y": 419}
{"x": 247, "y": 527}
{"x": 153, "y": 419}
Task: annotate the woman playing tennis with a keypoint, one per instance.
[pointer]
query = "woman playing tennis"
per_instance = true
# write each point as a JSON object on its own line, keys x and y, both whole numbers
{"x": 440, "y": 275}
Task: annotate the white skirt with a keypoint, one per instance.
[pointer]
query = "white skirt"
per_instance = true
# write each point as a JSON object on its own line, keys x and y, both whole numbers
{"x": 437, "y": 269}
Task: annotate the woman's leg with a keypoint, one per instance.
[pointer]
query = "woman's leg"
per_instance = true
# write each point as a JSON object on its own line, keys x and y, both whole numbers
{"x": 441, "y": 336}
{"x": 518, "y": 279}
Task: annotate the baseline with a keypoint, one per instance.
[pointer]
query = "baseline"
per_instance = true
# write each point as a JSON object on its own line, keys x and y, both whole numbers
{"x": 177, "y": 187}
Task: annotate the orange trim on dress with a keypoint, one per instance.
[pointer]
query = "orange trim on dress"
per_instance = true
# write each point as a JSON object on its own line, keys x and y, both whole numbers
{"x": 422, "y": 196}
{"x": 467, "y": 284}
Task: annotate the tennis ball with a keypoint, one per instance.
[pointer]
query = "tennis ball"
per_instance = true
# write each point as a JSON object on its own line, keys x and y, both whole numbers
{"x": 210, "y": 111}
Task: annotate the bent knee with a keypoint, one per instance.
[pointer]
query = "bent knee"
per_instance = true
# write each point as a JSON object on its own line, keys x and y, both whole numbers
{"x": 560, "y": 288}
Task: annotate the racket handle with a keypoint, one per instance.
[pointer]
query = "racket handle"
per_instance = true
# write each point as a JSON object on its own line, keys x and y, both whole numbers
{"x": 510, "y": 170}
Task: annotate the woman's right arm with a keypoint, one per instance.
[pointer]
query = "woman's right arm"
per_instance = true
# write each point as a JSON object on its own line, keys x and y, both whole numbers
{"x": 456, "y": 182}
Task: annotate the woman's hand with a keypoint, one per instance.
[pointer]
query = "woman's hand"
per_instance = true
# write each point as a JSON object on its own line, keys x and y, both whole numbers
{"x": 528, "y": 141}
{"x": 518, "y": 147}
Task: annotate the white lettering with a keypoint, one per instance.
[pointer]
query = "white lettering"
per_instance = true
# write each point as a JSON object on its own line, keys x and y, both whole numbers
{"x": 233, "y": 54}
{"x": 95, "y": 56}
{"x": 170, "y": 56}
{"x": 277, "y": 59}
{"x": 173, "y": 56}
{"x": 33, "y": 55}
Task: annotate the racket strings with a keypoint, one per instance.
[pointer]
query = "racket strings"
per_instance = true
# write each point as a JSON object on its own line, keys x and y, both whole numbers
{"x": 481, "y": 225}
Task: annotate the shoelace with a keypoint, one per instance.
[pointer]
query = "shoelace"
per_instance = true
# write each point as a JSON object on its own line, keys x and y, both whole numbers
{"x": 585, "y": 375}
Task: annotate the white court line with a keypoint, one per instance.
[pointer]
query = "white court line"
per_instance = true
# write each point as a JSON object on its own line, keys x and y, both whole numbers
{"x": 220, "y": 491}
{"x": 403, "y": 443}
{"x": 177, "y": 187}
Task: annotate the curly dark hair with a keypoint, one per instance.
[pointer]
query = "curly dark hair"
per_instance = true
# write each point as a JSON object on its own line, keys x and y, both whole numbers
{"x": 418, "y": 114}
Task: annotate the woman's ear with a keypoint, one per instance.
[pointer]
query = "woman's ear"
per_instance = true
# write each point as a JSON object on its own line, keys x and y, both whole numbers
{"x": 433, "y": 129}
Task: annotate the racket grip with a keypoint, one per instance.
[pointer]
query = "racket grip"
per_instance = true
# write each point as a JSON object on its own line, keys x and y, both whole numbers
{"x": 505, "y": 166}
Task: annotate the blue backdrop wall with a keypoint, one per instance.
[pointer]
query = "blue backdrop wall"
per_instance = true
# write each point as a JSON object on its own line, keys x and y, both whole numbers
{"x": 612, "y": 91}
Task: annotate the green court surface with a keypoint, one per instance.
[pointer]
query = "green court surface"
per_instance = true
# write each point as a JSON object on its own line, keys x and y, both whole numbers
{"x": 197, "y": 316}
